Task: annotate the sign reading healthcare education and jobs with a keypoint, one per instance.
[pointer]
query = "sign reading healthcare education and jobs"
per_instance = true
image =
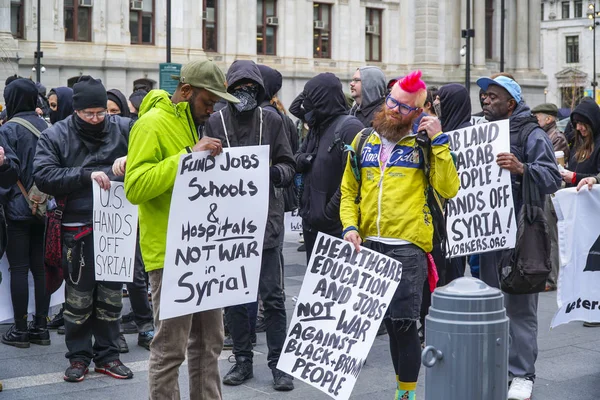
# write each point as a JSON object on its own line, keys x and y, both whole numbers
{"x": 341, "y": 304}
{"x": 115, "y": 234}
{"x": 481, "y": 216}
{"x": 216, "y": 231}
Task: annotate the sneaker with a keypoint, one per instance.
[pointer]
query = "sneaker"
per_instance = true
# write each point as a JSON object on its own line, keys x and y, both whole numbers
{"x": 145, "y": 338}
{"x": 128, "y": 327}
{"x": 282, "y": 381}
{"x": 302, "y": 248}
{"x": 591, "y": 324}
{"x": 57, "y": 321}
{"x": 240, "y": 372}
{"x": 61, "y": 330}
{"x": 520, "y": 389}
{"x": 116, "y": 369}
{"x": 16, "y": 338}
{"x": 122, "y": 344}
{"x": 228, "y": 343}
{"x": 76, "y": 372}
{"x": 38, "y": 335}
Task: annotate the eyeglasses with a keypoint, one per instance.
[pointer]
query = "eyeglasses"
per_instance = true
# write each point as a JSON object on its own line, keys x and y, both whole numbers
{"x": 356, "y": 80}
{"x": 90, "y": 115}
{"x": 404, "y": 109}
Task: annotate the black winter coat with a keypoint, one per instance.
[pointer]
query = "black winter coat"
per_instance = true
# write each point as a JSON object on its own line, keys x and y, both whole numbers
{"x": 589, "y": 167}
{"x": 243, "y": 130}
{"x": 320, "y": 200}
{"x": 65, "y": 159}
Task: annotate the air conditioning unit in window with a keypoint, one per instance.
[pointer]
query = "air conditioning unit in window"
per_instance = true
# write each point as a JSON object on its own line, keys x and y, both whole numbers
{"x": 274, "y": 21}
{"x": 204, "y": 15}
{"x": 372, "y": 29}
{"x": 136, "y": 5}
{"x": 319, "y": 25}
{"x": 86, "y": 3}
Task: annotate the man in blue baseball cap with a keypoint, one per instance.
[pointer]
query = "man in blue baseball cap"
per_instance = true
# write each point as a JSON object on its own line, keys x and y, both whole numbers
{"x": 531, "y": 153}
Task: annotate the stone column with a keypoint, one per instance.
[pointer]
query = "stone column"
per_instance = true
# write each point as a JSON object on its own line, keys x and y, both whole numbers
{"x": 534, "y": 33}
{"x": 479, "y": 26}
{"x": 522, "y": 37}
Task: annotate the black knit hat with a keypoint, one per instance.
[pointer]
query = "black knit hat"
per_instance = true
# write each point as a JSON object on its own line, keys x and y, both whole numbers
{"x": 137, "y": 97}
{"x": 89, "y": 93}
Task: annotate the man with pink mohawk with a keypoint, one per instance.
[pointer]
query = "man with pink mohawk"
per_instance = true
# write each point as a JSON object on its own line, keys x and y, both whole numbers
{"x": 384, "y": 207}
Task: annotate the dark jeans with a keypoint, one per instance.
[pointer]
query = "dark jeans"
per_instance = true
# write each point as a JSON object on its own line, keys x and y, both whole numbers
{"x": 91, "y": 308}
{"x": 24, "y": 251}
{"x": 138, "y": 294}
{"x": 310, "y": 237}
{"x": 270, "y": 288}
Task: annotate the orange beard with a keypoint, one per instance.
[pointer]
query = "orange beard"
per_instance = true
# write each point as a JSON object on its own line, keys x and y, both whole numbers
{"x": 392, "y": 125}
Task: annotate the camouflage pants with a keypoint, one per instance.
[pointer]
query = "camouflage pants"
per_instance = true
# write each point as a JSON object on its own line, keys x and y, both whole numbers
{"x": 91, "y": 308}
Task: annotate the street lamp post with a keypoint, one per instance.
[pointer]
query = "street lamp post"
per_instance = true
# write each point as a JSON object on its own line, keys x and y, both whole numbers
{"x": 592, "y": 14}
{"x": 38, "y": 53}
{"x": 468, "y": 34}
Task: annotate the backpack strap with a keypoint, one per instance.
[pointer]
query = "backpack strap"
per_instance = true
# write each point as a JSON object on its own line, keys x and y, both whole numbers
{"x": 337, "y": 135}
{"x": 356, "y": 157}
{"x": 27, "y": 125}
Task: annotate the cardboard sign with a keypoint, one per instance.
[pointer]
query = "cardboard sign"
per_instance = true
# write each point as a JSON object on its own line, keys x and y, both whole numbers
{"x": 579, "y": 243}
{"x": 343, "y": 299}
{"x": 115, "y": 234}
{"x": 481, "y": 216}
{"x": 216, "y": 231}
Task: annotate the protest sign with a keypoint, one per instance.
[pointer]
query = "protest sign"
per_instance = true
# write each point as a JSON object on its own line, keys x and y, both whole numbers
{"x": 216, "y": 231}
{"x": 6, "y": 309}
{"x": 579, "y": 243}
{"x": 293, "y": 223}
{"x": 343, "y": 299}
{"x": 115, "y": 234}
{"x": 481, "y": 216}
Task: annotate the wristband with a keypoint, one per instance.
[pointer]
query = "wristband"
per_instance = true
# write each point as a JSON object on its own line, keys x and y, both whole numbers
{"x": 574, "y": 179}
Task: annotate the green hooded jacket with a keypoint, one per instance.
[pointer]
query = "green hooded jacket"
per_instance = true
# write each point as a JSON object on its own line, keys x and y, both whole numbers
{"x": 156, "y": 142}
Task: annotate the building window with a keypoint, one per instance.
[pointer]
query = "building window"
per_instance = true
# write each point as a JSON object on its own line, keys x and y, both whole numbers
{"x": 578, "y": 9}
{"x": 572, "y": 49}
{"x": 16, "y": 18}
{"x": 266, "y": 30}
{"x": 489, "y": 28}
{"x": 209, "y": 25}
{"x": 373, "y": 35}
{"x": 571, "y": 96}
{"x": 78, "y": 20}
{"x": 322, "y": 30}
{"x": 141, "y": 21}
{"x": 542, "y": 11}
{"x": 565, "y": 9}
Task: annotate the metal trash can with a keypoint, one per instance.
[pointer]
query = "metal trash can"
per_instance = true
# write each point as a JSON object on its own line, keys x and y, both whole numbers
{"x": 466, "y": 335}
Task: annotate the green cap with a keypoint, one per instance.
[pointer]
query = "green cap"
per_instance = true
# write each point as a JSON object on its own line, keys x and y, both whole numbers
{"x": 546, "y": 108}
{"x": 205, "y": 75}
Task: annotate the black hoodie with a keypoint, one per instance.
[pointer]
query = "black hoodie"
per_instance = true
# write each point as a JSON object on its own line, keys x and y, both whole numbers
{"x": 320, "y": 201}
{"x": 243, "y": 130}
{"x": 120, "y": 100}
{"x": 586, "y": 110}
{"x": 456, "y": 107}
{"x": 19, "y": 147}
{"x": 64, "y": 100}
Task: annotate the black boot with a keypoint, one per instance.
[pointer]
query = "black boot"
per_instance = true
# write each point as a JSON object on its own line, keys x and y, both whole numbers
{"x": 38, "y": 332}
{"x": 17, "y": 338}
{"x": 57, "y": 321}
{"x": 240, "y": 372}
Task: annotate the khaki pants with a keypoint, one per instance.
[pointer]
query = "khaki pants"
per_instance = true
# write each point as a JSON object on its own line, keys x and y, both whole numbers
{"x": 201, "y": 334}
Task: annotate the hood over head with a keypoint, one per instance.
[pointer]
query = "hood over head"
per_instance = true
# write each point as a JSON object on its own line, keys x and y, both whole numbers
{"x": 324, "y": 96}
{"x": 455, "y": 105}
{"x": 242, "y": 71}
{"x": 137, "y": 97}
{"x": 119, "y": 98}
{"x": 272, "y": 81}
{"x": 20, "y": 96}
{"x": 373, "y": 85}
{"x": 64, "y": 96}
{"x": 589, "y": 112}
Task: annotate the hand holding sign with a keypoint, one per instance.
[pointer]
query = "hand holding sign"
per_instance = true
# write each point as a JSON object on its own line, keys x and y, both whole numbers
{"x": 1, "y": 155}
{"x": 118, "y": 167}
{"x": 354, "y": 238}
{"x": 211, "y": 144}
{"x": 101, "y": 179}
{"x": 510, "y": 162}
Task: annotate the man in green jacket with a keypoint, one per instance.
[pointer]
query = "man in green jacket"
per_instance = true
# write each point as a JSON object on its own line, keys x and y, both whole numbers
{"x": 167, "y": 129}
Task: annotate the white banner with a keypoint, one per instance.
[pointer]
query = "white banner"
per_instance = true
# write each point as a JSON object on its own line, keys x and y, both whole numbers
{"x": 481, "y": 216}
{"x": 6, "y": 310}
{"x": 341, "y": 304}
{"x": 115, "y": 234}
{"x": 216, "y": 231}
{"x": 579, "y": 242}
{"x": 293, "y": 223}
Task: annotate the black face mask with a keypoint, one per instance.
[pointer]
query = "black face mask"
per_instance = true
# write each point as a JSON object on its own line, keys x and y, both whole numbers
{"x": 247, "y": 95}
{"x": 53, "y": 117}
{"x": 89, "y": 129}
{"x": 310, "y": 118}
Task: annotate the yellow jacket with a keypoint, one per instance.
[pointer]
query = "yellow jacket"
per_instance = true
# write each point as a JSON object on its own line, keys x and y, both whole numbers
{"x": 394, "y": 204}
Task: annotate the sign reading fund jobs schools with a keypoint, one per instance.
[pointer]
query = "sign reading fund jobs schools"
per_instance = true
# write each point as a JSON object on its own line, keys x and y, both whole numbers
{"x": 216, "y": 231}
{"x": 481, "y": 216}
{"x": 343, "y": 299}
